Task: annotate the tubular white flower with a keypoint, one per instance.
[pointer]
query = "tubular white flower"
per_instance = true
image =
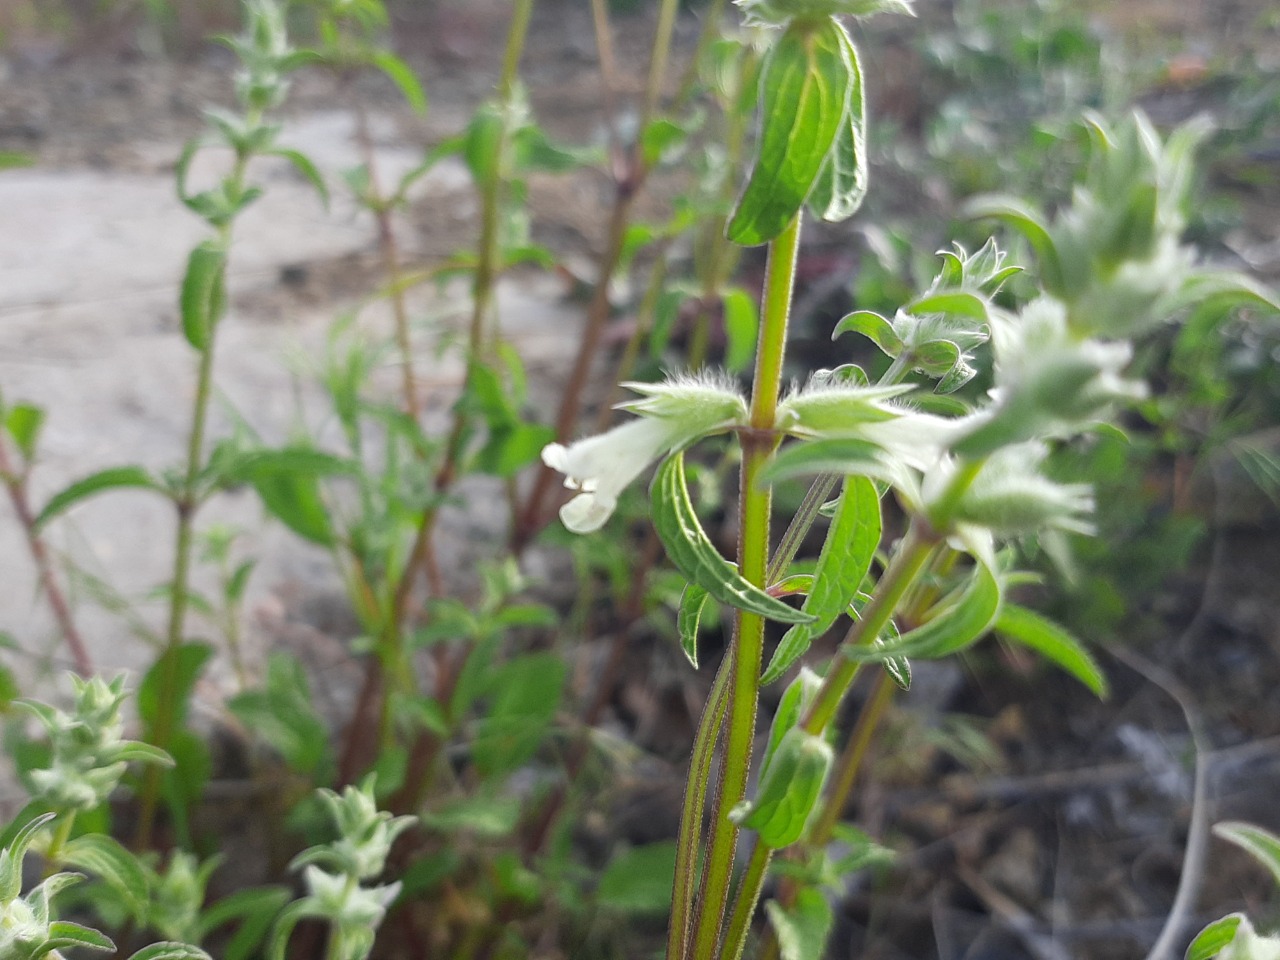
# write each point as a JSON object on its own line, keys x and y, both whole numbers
{"x": 672, "y": 415}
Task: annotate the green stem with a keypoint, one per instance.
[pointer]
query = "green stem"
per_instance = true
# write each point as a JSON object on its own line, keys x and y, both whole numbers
{"x": 912, "y": 555}
{"x": 744, "y": 907}
{"x": 187, "y": 503}
{"x": 695, "y": 797}
{"x": 755, "y": 500}
{"x": 53, "y": 856}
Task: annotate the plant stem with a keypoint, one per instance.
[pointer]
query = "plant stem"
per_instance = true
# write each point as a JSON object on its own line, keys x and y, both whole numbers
{"x": 695, "y": 797}
{"x": 16, "y": 483}
{"x": 53, "y": 856}
{"x": 755, "y": 502}
{"x": 912, "y": 555}
{"x": 851, "y": 760}
{"x": 744, "y": 907}
{"x": 187, "y": 503}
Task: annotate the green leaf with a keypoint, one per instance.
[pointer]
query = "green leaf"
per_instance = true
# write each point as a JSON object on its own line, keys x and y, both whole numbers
{"x": 525, "y": 696}
{"x": 309, "y": 171}
{"x": 874, "y": 327}
{"x": 284, "y": 715}
{"x": 1261, "y": 844}
{"x": 12, "y": 855}
{"x": 692, "y": 602}
{"x": 109, "y": 479}
{"x": 132, "y": 751}
{"x": 658, "y": 138}
{"x": 105, "y": 858}
{"x": 169, "y": 950}
{"x": 23, "y": 421}
{"x": 696, "y": 557}
{"x": 958, "y": 621}
{"x": 899, "y": 670}
{"x": 535, "y": 152}
{"x": 639, "y": 880}
{"x": 288, "y": 483}
{"x": 64, "y": 936}
{"x": 790, "y": 787}
{"x": 936, "y": 357}
{"x": 255, "y": 908}
{"x": 842, "y": 456}
{"x": 483, "y": 146}
{"x": 177, "y": 669}
{"x": 1053, "y": 642}
{"x": 1029, "y": 223}
{"x": 403, "y": 77}
{"x": 804, "y": 91}
{"x": 203, "y": 293}
{"x": 950, "y": 302}
{"x": 842, "y": 184}
{"x": 1215, "y": 938}
{"x": 488, "y": 817}
{"x": 803, "y": 928}
{"x": 510, "y": 447}
{"x": 800, "y": 693}
{"x": 846, "y": 558}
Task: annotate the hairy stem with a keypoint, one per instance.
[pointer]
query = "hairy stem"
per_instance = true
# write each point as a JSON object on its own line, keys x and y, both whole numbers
{"x": 695, "y": 798}
{"x": 755, "y": 502}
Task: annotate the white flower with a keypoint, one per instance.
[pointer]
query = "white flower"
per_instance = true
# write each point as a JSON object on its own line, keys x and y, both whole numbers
{"x": 672, "y": 415}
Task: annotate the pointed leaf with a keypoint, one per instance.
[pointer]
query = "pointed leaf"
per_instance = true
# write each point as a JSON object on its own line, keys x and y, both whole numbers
{"x": 309, "y": 171}
{"x": 694, "y": 555}
{"x": 64, "y": 935}
{"x": 1053, "y": 642}
{"x": 874, "y": 327}
{"x": 958, "y": 621}
{"x": 842, "y": 184}
{"x": 403, "y": 77}
{"x": 168, "y": 950}
{"x": 1262, "y": 844}
{"x": 109, "y": 479}
{"x": 1215, "y": 938}
{"x": 1030, "y": 223}
{"x": 846, "y": 557}
{"x": 104, "y": 857}
{"x": 23, "y": 421}
{"x": 692, "y": 602}
{"x": 804, "y": 92}
{"x": 12, "y": 856}
{"x": 842, "y": 456}
{"x": 953, "y": 302}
